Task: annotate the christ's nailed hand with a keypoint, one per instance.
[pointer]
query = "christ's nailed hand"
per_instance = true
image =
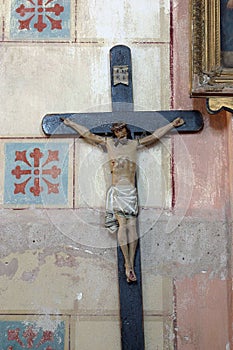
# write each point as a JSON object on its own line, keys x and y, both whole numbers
{"x": 178, "y": 122}
{"x": 65, "y": 120}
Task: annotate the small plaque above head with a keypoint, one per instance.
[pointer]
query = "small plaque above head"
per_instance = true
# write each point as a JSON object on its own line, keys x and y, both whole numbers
{"x": 121, "y": 75}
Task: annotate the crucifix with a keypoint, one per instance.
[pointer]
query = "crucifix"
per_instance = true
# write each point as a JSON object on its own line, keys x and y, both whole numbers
{"x": 120, "y": 133}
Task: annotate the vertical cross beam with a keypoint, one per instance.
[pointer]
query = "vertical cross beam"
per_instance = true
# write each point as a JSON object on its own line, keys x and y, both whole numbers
{"x": 131, "y": 301}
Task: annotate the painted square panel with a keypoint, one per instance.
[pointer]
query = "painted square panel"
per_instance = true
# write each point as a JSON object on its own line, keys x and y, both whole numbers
{"x": 154, "y": 328}
{"x": 21, "y": 332}
{"x": 39, "y": 79}
{"x": 123, "y": 20}
{"x": 104, "y": 330}
{"x": 37, "y": 173}
{"x": 40, "y": 19}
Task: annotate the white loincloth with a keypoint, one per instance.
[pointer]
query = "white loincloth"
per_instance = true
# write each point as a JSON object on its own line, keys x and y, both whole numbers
{"x": 120, "y": 200}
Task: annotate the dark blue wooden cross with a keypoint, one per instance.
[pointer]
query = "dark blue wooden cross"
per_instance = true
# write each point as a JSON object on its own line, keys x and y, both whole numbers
{"x": 131, "y": 303}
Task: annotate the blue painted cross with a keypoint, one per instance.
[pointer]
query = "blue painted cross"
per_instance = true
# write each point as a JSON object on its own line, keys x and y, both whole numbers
{"x": 131, "y": 305}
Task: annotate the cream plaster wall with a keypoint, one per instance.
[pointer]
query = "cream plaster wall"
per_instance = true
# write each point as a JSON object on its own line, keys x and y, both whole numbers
{"x": 123, "y": 20}
{"x": 61, "y": 262}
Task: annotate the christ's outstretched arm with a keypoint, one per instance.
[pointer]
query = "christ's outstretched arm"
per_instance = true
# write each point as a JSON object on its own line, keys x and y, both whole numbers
{"x": 84, "y": 132}
{"x": 159, "y": 133}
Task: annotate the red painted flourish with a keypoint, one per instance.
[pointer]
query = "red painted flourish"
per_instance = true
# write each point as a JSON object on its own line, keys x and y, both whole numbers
{"x": 47, "y": 336}
{"x": 21, "y": 156}
{"x": 13, "y": 334}
{"x": 20, "y": 188}
{"x": 29, "y": 335}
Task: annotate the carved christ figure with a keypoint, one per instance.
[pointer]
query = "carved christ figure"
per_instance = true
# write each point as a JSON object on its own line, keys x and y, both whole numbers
{"x": 121, "y": 201}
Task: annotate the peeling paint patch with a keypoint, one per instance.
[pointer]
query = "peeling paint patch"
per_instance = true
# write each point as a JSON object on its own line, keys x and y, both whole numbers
{"x": 48, "y": 322}
{"x": 195, "y": 246}
{"x": 79, "y": 296}
{"x": 88, "y": 251}
{"x": 9, "y": 269}
{"x": 30, "y": 276}
{"x": 67, "y": 260}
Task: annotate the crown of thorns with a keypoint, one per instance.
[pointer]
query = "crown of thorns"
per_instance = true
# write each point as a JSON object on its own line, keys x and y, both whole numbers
{"x": 118, "y": 126}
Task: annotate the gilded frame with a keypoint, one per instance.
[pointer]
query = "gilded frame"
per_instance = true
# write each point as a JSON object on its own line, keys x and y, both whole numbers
{"x": 209, "y": 77}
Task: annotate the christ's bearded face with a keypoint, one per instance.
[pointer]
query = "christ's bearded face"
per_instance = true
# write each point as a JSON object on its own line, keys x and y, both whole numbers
{"x": 121, "y": 132}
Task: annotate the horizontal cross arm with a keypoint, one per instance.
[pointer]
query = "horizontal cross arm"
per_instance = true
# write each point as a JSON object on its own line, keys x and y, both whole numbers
{"x": 138, "y": 122}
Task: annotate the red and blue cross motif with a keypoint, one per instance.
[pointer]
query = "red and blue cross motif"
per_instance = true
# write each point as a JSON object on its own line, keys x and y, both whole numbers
{"x": 40, "y": 19}
{"x": 15, "y": 335}
{"x": 36, "y": 173}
